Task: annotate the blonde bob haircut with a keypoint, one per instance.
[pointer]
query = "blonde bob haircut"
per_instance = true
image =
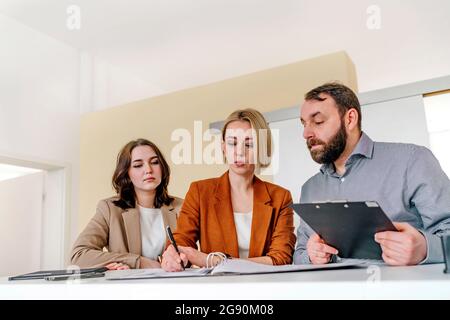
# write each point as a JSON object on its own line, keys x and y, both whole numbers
{"x": 261, "y": 131}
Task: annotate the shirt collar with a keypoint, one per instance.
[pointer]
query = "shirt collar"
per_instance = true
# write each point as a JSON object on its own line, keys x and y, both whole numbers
{"x": 364, "y": 148}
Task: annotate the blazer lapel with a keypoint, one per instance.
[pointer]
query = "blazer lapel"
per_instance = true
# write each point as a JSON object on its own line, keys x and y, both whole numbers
{"x": 132, "y": 224}
{"x": 262, "y": 216}
{"x": 225, "y": 217}
{"x": 169, "y": 218}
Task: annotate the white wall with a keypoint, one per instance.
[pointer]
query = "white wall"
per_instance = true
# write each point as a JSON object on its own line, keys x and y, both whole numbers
{"x": 20, "y": 227}
{"x": 39, "y": 101}
{"x": 400, "y": 120}
{"x": 104, "y": 85}
{"x": 437, "y": 109}
{"x": 295, "y": 165}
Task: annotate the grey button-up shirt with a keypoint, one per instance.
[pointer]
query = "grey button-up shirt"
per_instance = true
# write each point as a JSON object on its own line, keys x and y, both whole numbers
{"x": 405, "y": 179}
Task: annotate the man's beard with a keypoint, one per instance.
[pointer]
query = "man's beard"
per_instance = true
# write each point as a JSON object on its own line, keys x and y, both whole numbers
{"x": 332, "y": 150}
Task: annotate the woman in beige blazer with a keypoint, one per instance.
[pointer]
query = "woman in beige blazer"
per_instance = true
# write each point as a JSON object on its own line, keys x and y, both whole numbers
{"x": 128, "y": 230}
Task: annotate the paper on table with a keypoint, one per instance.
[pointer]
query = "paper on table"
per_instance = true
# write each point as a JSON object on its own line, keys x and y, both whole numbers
{"x": 240, "y": 266}
{"x": 228, "y": 266}
{"x": 154, "y": 273}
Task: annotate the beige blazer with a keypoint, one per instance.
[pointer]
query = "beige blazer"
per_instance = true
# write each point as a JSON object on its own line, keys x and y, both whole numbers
{"x": 119, "y": 232}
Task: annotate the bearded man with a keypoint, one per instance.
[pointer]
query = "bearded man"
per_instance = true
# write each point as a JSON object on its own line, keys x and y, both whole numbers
{"x": 405, "y": 179}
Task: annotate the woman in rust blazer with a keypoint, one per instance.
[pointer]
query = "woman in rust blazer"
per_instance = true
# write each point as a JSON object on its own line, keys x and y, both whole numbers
{"x": 236, "y": 214}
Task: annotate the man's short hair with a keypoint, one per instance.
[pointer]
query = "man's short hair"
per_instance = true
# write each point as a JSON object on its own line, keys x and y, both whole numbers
{"x": 344, "y": 97}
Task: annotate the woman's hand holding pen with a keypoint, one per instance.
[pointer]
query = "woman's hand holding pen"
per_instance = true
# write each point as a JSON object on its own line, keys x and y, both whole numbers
{"x": 171, "y": 260}
{"x": 194, "y": 256}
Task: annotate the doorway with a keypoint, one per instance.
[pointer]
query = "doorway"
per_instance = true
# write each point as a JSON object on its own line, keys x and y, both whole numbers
{"x": 34, "y": 228}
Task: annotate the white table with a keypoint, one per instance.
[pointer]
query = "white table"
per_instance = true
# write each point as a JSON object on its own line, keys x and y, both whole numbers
{"x": 375, "y": 282}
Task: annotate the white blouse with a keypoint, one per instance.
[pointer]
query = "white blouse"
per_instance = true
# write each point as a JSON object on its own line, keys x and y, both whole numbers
{"x": 243, "y": 222}
{"x": 153, "y": 238}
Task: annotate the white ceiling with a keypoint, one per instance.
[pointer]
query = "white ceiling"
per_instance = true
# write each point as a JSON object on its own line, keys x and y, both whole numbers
{"x": 175, "y": 44}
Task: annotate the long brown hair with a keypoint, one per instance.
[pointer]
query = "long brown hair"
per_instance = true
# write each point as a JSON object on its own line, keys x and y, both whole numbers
{"x": 122, "y": 183}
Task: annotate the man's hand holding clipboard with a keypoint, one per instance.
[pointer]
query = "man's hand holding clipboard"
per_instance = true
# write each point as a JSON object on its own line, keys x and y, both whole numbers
{"x": 344, "y": 228}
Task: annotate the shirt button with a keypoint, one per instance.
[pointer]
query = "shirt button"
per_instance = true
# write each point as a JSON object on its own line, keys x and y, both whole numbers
{"x": 342, "y": 179}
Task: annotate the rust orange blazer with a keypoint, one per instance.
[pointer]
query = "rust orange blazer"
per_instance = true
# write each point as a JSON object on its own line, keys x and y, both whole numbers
{"x": 207, "y": 216}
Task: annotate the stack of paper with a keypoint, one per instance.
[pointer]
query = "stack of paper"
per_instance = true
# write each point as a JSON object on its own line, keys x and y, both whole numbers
{"x": 227, "y": 267}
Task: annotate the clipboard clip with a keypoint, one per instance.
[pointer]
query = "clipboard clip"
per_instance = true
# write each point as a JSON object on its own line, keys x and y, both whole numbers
{"x": 330, "y": 201}
{"x": 370, "y": 204}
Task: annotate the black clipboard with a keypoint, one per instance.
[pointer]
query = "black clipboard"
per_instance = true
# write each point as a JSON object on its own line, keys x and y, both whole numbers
{"x": 349, "y": 227}
{"x": 59, "y": 273}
